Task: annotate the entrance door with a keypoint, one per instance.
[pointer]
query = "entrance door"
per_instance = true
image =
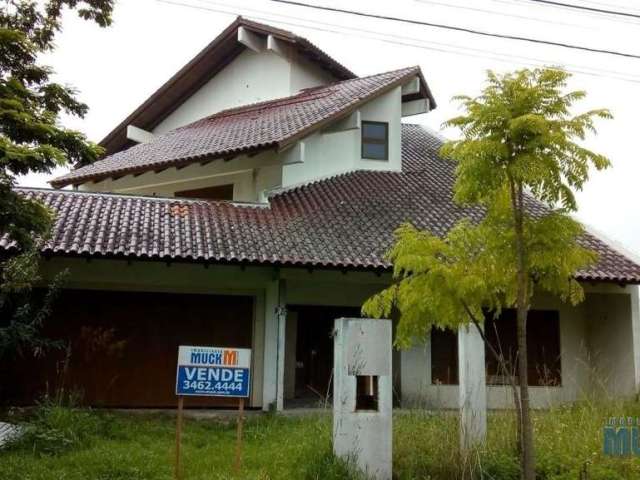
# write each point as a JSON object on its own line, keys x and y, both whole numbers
{"x": 314, "y": 348}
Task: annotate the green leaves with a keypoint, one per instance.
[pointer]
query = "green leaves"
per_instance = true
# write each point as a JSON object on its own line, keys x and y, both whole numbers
{"x": 31, "y": 138}
{"x": 521, "y": 127}
{"x": 519, "y": 160}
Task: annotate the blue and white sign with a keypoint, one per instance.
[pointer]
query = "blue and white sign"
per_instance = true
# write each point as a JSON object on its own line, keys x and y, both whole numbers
{"x": 213, "y": 371}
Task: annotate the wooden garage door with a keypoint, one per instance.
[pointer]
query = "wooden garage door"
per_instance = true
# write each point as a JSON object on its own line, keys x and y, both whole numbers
{"x": 124, "y": 345}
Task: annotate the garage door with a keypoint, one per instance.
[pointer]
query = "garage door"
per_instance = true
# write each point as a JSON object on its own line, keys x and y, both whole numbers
{"x": 124, "y": 346}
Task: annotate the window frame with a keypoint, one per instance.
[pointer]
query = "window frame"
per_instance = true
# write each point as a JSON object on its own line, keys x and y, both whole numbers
{"x": 374, "y": 141}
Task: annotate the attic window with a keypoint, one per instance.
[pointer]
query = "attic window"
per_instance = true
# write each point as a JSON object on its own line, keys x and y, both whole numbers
{"x": 375, "y": 140}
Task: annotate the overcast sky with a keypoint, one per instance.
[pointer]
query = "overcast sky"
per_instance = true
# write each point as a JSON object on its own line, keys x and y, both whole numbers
{"x": 115, "y": 69}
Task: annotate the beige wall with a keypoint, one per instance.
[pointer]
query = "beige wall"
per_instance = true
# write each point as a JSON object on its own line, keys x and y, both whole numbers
{"x": 611, "y": 342}
{"x": 251, "y": 77}
{"x": 596, "y": 356}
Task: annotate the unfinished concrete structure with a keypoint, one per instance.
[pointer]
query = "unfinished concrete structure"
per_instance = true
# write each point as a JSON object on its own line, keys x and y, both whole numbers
{"x": 362, "y": 400}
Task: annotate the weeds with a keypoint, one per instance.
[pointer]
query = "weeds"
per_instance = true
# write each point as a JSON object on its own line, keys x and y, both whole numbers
{"x": 77, "y": 444}
{"x": 53, "y": 428}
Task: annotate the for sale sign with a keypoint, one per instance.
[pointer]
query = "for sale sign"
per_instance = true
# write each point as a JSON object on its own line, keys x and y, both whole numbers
{"x": 213, "y": 371}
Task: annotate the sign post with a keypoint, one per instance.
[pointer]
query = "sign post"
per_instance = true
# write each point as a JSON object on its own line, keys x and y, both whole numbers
{"x": 238, "y": 463}
{"x": 213, "y": 372}
{"x": 178, "y": 435}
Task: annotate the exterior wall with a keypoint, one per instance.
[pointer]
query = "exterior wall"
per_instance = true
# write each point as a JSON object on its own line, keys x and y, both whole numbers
{"x": 597, "y": 337}
{"x": 250, "y": 78}
{"x": 249, "y": 175}
{"x": 326, "y": 153}
{"x": 611, "y": 339}
{"x": 578, "y": 341}
{"x": 330, "y": 153}
{"x": 305, "y": 74}
{"x": 387, "y": 108}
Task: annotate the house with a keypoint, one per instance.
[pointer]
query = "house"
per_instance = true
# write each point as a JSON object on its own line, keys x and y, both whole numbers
{"x": 249, "y": 202}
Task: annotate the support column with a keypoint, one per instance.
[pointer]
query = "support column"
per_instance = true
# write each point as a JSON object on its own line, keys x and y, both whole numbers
{"x": 281, "y": 313}
{"x": 274, "y": 344}
{"x": 415, "y": 377}
{"x": 473, "y": 388}
{"x": 635, "y": 329}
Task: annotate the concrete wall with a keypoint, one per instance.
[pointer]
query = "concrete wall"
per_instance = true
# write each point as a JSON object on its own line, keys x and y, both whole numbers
{"x": 362, "y": 347}
{"x": 596, "y": 344}
{"x": 610, "y": 336}
{"x": 305, "y": 74}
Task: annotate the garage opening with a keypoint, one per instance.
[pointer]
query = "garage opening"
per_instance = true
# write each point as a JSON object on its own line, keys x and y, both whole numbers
{"x": 309, "y": 353}
{"x": 123, "y": 347}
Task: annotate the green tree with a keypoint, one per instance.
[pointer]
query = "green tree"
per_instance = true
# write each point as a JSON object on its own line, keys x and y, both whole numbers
{"x": 32, "y": 140}
{"x": 518, "y": 160}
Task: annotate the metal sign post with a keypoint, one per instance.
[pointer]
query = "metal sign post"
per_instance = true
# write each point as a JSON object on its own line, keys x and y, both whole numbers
{"x": 213, "y": 372}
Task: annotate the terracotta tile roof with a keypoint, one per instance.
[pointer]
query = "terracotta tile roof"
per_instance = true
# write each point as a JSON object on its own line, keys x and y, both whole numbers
{"x": 271, "y": 124}
{"x": 345, "y": 221}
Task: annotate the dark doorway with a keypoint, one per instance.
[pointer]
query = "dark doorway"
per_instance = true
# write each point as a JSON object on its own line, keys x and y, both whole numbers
{"x": 314, "y": 349}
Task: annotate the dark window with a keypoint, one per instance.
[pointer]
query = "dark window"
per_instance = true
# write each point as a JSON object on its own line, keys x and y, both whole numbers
{"x": 543, "y": 349}
{"x": 366, "y": 392}
{"x": 444, "y": 357}
{"x": 219, "y": 192}
{"x": 375, "y": 140}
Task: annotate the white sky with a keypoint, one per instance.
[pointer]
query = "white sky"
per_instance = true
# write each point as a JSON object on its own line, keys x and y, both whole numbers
{"x": 115, "y": 69}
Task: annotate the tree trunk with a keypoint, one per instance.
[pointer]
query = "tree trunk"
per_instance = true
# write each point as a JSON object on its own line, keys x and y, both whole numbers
{"x": 528, "y": 454}
{"x": 509, "y": 374}
{"x": 526, "y": 428}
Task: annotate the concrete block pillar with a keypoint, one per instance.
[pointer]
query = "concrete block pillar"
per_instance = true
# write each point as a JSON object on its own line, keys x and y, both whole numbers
{"x": 362, "y": 394}
{"x": 274, "y": 345}
{"x": 473, "y": 388}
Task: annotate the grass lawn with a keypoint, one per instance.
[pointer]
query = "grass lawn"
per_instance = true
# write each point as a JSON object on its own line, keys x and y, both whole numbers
{"x": 88, "y": 445}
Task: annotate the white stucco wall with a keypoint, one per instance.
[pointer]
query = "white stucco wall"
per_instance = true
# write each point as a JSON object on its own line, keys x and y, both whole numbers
{"x": 329, "y": 153}
{"x": 251, "y": 77}
{"x": 249, "y": 176}
{"x": 305, "y": 74}
{"x": 611, "y": 339}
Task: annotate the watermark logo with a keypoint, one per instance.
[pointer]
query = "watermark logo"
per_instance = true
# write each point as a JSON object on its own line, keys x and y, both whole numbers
{"x": 621, "y": 436}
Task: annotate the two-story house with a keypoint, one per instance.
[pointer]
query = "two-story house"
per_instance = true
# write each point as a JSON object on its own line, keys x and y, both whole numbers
{"x": 249, "y": 202}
